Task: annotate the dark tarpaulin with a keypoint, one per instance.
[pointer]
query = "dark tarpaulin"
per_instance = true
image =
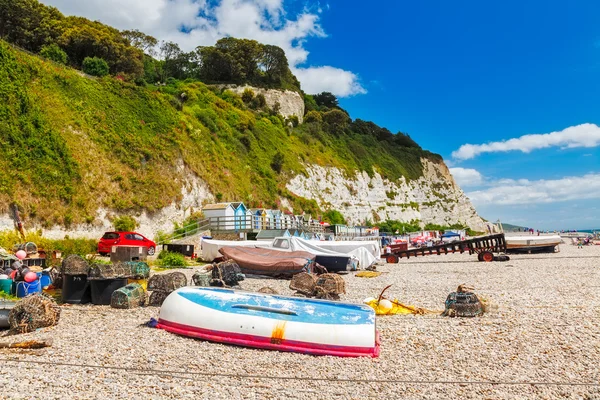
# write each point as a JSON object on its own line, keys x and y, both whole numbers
{"x": 269, "y": 262}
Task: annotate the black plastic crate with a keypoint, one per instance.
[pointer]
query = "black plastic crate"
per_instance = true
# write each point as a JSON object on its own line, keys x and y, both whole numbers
{"x": 185, "y": 249}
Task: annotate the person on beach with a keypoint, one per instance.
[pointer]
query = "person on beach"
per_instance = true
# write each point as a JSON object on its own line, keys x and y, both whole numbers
{"x": 580, "y": 244}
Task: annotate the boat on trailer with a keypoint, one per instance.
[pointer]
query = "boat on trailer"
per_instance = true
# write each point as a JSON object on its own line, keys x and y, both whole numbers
{"x": 525, "y": 243}
{"x": 273, "y": 322}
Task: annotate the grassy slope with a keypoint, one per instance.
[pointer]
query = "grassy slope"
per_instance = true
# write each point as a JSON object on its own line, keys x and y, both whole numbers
{"x": 72, "y": 144}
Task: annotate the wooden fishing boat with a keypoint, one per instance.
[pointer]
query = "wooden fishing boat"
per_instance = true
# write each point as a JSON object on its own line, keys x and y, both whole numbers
{"x": 265, "y": 321}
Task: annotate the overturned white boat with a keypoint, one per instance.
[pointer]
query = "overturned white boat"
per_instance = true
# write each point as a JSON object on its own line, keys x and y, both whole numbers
{"x": 272, "y": 322}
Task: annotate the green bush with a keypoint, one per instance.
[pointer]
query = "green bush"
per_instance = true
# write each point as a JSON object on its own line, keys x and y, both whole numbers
{"x": 9, "y": 239}
{"x": 54, "y": 53}
{"x": 313, "y": 116}
{"x": 334, "y": 217}
{"x": 248, "y": 95}
{"x": 95, "y": 66}
{"x": 258, "y": 102}
{"x": 293, "y": 119}
{"x": 125, "y": 223}
{"x": 277, "y": 162}
{"x": 167, "y": 259}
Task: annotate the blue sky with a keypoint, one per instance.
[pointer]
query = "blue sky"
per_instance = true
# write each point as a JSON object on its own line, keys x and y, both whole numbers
{"x": 449, "y": 74}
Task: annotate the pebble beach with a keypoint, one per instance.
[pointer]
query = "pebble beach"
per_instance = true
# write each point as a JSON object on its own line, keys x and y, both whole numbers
{"x": 541, "y": 339}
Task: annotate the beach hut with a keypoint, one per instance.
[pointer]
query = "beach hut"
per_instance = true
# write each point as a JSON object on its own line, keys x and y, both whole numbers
{"x": 240, "y": 211}
{"x": 277, "y": 215}
{"x": 221, "y": 215}
{"x": 287, "y": 220}
{"x": 269, "y": 219}
{"x": 258, "y": 218}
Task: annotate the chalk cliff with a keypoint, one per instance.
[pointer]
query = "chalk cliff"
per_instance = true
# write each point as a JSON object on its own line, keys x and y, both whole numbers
{"x": 290, "y": 102}
{"x": 433, "y": 198}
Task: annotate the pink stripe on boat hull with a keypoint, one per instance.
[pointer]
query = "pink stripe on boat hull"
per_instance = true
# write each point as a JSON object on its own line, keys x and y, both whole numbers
{"x": 262, "y": 342}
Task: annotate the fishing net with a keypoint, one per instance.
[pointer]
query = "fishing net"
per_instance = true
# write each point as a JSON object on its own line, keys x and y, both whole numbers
{"x": 130, "y": 296}
{"x": 226, "y": 273}
{"x": 267, "y": 290}
{"x": 304, "y": 283}
{"x": 202, "y": 278}
{"x": 75, "y": 265}
{"x": 462, "y": 304}
{"x": 157, "y": 297}
{"x": 330, "y": 286}
{"x": 167, "y": 282}
{"x": 33, "y": 312}
{"x": 124, "y": 269}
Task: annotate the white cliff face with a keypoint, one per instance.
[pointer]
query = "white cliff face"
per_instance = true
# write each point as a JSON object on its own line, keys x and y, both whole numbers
{"x": 433, "y": 198}
{"x": 290, "y": 103}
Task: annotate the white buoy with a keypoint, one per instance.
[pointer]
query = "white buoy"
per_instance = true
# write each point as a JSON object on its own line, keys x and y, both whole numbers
{"x": 385, "y": 305}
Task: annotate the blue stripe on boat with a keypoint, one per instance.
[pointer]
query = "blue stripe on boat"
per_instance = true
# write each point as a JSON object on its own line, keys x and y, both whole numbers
{"x": 284, "y": 308}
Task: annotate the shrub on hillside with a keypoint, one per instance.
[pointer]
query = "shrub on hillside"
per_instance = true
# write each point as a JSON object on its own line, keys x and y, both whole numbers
{"x": 95, "y": 66}
{"x": 168, "y": 259}
{"x": 248, "y": 95}
{"x": 54, "y": 53}
{"x": 258, "y": 102}
{"x": 125, "y": 223}
{"x": 277, "y": 162}
{"x": 293, "y": 119}
{"x": 313, "y": 116}
{"x": 334, "y": 217}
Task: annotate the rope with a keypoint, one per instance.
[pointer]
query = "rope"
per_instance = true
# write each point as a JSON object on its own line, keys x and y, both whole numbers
{"x": 479, "y": 262}
{"x": 181, "y": 374}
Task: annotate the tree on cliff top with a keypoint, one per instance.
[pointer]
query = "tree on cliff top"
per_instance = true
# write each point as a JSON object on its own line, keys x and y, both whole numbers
{"x": 241, "y": 61}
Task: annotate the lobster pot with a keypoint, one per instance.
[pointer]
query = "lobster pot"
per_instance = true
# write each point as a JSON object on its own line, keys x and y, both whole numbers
{"x": 121, "y": 269}
{"x": 138, "y": 269}
{"x": 157, "y": 297}
{"x": 130, "y": 296}
{"x": 332, "y": 283}
{"x": 167, "y": 282}
{"x": 267, "y": 290}
{"x": 33, "y": 312}
{"x": 304, "y": 283}
{"x": 75, "y": 265}
{"x": 226, "y": 273}
{"x": 128, "y": 253}
{"x": 462, "y": 304}
{"x": 202, "y": 278}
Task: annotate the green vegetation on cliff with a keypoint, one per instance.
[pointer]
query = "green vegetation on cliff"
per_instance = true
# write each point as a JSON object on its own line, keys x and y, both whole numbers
{"x": 73, "y": 144}
{"x": 135, "y": 139}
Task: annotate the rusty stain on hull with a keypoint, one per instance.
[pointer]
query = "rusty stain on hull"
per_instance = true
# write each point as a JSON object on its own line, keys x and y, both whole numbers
{"x": 278, "y": 333}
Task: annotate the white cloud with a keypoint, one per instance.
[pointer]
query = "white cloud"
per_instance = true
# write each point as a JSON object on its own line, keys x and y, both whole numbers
{"x": 205, "y": 22}
{"x": 584, "y": 135}
{"x": 466, "y": 176}
{"x": 329, "y": 79}
{"x": 524, "y": 191}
